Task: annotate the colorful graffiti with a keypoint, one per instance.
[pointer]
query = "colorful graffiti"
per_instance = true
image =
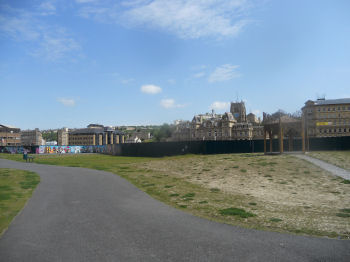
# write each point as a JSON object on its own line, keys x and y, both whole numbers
{"x": 12, "y": 149}
{"x": 53, "y": 149}
{"x": 69, "y": 149}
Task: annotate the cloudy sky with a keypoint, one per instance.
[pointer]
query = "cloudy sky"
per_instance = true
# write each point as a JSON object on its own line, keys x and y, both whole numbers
{"x": 75, "y": 62}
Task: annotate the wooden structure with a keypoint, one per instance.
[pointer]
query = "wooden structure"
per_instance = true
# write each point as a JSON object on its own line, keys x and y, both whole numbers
{"x": 281, "y": 125}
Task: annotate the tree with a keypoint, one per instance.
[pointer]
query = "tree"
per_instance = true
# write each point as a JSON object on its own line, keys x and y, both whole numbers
{"x": 162, "y": 133}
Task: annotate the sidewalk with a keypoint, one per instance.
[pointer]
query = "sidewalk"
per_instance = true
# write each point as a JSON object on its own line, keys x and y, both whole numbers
{"x": 337, "y": 171}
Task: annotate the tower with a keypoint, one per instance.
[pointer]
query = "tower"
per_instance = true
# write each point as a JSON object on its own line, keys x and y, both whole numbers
{"x": 238, "y": 111}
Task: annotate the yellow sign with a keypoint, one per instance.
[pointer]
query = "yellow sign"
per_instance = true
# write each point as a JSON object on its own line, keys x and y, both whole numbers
{"x": 324, "y": 123}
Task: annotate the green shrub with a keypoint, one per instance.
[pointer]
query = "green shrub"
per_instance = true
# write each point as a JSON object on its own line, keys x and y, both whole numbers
{"x": 232, "y": 211}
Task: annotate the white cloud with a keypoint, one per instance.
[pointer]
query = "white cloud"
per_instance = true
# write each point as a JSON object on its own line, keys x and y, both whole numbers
{"x": 127, "y": 81}
{"x": 47, "y": 8}
{"x": 199, "y": 75}
{"x": 54, "y": 47}
{"x": 171, "y": 81}
{"x": 151, "y": 89}
{"x": 66, "y": 101}
{"x": 170, "y": 103}
{"x": 224, "y": 73}
{"x": 189, "y": 19}
{"x": 51, "y": 43}
{"x": 85, "y": 1}
{"x": 220, "y": 106}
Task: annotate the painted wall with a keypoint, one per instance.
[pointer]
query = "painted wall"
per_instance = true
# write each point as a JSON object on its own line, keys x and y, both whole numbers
{"x": 69, "y": 149}
{"x": 52, "y": 149}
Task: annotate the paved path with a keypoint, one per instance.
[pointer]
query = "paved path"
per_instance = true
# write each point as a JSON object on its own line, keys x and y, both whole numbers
{"x": 337, "y": 171}
{"x": 78, "y": 214}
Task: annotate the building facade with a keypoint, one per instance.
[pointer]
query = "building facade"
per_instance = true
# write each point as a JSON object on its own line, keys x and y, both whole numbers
{"x": 62, "y": 137}
{"x": 327, "y": 117}
{"x": 95, "y": 135}
{"x": 233, "y": 125}
{"x": 32, "y": 138}
{"x": 10, "y": 136}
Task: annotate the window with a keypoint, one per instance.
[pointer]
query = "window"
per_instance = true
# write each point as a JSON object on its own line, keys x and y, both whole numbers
{"x": 343, "y": 107}
{"x": 344, "y": 130}
{"x": 339, "y": 130}
{"x": 329, "y": 109}
{"x": 338, "y": 107}
{"x": 318, "y": 109}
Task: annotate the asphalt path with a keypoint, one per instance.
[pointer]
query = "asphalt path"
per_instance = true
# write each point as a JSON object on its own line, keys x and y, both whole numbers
{"x": 78, "y": 214}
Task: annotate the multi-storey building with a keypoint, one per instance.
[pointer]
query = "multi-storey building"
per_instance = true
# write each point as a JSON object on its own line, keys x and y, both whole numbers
{"x": 95, "y": 135}
{"x": 62, "y": 137}
{"x": 10, "y": 136}
{"x": 327, "y": 117}
{"x": 32, "y": 138}
{"x": 233, "y": 125}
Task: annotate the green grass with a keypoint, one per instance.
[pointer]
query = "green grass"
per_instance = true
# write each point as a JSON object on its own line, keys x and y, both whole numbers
{"x": 342, "y": 215}
{"x": 273, "y": 219}
{"x": 189, "y": 195}
{"x": 16, "y": 187}
{"x": 232, "y": 211}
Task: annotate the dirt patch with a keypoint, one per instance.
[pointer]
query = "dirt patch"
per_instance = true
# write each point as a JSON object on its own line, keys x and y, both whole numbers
{"x": 288, "y": 193}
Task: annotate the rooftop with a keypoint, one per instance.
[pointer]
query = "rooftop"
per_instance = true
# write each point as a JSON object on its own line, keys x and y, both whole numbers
{"x": 332, "y": 101}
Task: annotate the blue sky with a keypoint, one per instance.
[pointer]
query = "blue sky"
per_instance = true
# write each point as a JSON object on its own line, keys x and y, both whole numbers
{"x": 138, "y": 62}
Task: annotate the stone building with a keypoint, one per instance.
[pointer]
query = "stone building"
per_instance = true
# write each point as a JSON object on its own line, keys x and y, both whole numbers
{"x": 10, "y": 136}
{"x": 32, "y": 138}
{"x": 327, "y": 117}
{"x": 238, "y": 111}
{"x": 233, "y": 125}
{"x": 95, "y": 135}
{"x": 62, "y": 137}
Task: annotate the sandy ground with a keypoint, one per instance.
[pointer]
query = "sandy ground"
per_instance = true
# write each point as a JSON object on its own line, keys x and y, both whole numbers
{"x": 302, "y": 195}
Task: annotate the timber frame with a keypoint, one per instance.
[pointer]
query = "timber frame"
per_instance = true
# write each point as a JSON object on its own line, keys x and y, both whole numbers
{"x": 280, "y": 126}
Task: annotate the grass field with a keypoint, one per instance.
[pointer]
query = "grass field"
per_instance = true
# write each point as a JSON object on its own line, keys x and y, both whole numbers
{"x": 16, "y": 187}
{"x": 338, "y": 158}
{"x": 279, "y": 193}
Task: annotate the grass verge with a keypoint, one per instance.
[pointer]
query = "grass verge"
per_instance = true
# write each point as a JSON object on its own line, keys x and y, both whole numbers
{"x": 16, "y": 187}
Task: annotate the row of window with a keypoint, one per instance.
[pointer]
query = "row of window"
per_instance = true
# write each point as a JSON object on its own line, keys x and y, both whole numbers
{"x": 335, "y": 130}
{"x": 338, "y": 108}
{"x": 329, "y": 116}
{"x": 226, "y": 134}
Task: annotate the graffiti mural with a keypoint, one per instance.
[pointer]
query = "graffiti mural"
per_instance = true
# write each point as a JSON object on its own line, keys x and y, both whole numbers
{"x": 18, "y": 149}
{"x": 69, "y": 149}
{"x": 52, "y": 149}
{"x": 12, "y": 149}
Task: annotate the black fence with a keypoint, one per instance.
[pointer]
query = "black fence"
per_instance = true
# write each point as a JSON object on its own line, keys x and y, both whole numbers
{"x": 160, "y": 149}
{"x": 221, "y": 147}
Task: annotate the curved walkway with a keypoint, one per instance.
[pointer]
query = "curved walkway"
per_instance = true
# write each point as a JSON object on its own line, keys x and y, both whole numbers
{"x": 78, "y": 214}
{"x": 337, "y": 171}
